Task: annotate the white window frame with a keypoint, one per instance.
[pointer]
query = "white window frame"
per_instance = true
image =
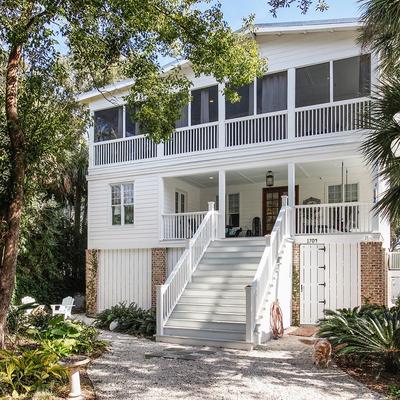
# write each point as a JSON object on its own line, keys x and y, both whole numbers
{"x": 185, "y": 195}
{"x": 348, "y": 184}
{"x": 228, "y": 211}
{"x": 122, "y": 203}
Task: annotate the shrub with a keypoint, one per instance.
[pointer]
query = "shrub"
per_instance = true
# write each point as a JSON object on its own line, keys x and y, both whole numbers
{"x": 394, "y": 392}
{"x": 131, "y": 319}
{"x": 368, "y": 333}
{"x": 25, "y": 371}
{"x": 66, "y": 337}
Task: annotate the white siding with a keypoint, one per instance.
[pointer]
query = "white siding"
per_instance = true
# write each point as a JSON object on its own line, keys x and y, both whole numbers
{"x": 124, "y": 276}
{"x": 173, "y": 255}
{"x": 192, "y": 195}
{"x": 144, "y": 233}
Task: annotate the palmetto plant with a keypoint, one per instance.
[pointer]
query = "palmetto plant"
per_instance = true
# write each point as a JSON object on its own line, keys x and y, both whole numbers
{"x": 371, "y": 334}
{"x": 377, "y": 145}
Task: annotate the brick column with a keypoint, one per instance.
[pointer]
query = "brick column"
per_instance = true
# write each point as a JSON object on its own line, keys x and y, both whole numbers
{"x": 91, "y": 282}
{"x": 158, "y": 271}
{"x": 296, "y": 285}
{"x": 373, "y": 273}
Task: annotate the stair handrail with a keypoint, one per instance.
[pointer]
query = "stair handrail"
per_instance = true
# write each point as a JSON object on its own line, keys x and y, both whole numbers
{"x": 169, "y": 293}
{"x": 257, "y": 291}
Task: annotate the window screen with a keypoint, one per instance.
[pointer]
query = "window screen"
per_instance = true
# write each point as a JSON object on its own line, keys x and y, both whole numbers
{"x": 312, "y": 85}
{"x": 108, "y": 124}
{"x": 183, "y": 120}
{"x": 131, "y": 126}
{"x": 272, "y": 93}
{"x": 352, "y": 77}
{"x": 204, "y": 105}
{"x": 244, "y": 107}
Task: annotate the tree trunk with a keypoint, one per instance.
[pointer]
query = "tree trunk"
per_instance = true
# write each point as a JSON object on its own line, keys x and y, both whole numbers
{"x": 16, "y": 190}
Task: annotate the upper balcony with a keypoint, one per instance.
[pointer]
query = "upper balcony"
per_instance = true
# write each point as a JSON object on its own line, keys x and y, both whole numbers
{"x": 321, "y": 99}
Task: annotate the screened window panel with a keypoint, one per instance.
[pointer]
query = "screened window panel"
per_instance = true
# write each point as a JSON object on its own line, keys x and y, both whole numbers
{"x": 183, "y": 120}
{"x": 272, "y": 93}
{"x": 352, "y": 78}
{"x": 128, "y": 193}
{"x": 128, "y": 214}
{"x": 204, "y": 106}
{"x": 115, "y": 195}
{"x": 312, "y": 85}
{"x": 131, "y": 126}
{"x": 245, "y": 106}
{"x": 116, "y": 215}
{"x": 108, "y": 124}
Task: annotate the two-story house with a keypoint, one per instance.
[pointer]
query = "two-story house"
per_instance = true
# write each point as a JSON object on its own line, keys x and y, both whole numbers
{"x": 247, "y": 203}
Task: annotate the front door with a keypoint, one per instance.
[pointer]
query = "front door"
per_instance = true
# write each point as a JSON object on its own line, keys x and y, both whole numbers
{"x": 312, "y": 283}
{"x": 272, "y": 203}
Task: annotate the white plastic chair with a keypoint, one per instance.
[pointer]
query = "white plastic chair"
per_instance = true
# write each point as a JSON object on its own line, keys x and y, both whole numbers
{"x": 28, "y": 300}
{"x": 65, "y": 308}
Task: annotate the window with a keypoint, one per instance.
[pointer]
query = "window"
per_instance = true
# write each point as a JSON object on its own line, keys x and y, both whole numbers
{"x": 204, "y": 105}
{"x": 234, "y": 209}
{"x": 335, "y": 193}
{"x": 272, "y": 93}
{"x": 108, "y": 124}
{"x": 244, "y": 107}
{"x": 183, "y": 120}
{"x": 352, "y": 78}
{"x": 180, "y": 202}
{"x": 131, "y": 126}
{"x": 122, "y": 204}
{"x": 312, "y": 85}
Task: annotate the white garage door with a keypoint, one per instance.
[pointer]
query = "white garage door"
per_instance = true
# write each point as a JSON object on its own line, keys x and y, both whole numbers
{"x": 329, "y": 279}
{"x": 124, "y": 275}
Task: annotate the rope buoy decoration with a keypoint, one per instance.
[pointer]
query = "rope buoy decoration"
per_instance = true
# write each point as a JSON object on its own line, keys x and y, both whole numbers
{"x": 276, "y": 320}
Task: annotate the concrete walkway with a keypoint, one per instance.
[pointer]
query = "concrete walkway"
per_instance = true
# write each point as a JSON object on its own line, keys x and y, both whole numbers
{"x": 282, "y": 369}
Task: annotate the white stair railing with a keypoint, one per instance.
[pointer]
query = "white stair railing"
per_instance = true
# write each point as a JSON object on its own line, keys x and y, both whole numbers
{"x": 258, "y": 290}
{"x": 169, "y": 293}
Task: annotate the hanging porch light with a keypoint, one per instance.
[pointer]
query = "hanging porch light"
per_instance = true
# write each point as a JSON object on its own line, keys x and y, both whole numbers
{"x": 269, "y": 179}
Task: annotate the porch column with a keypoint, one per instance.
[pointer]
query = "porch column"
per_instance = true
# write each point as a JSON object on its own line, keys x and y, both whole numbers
{"x": 221, "y": 116}
{"x": 291, "y": 184}
{"x": 380, "y": 223}
{"x": 221, "y": 203}
{"x": 291, "y": 106}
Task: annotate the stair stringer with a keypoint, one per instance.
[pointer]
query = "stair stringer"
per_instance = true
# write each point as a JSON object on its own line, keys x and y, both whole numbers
{"x": 280, "y": 289}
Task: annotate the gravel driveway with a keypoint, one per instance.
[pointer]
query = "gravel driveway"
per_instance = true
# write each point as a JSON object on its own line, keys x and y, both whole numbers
{"x": 281, "y": 370}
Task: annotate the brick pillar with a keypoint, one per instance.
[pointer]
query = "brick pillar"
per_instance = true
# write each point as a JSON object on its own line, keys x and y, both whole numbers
{"x": 91, "y": 282}
{"x": 158, "y": 271}
{"x": 373, "y": 273}
{"x": 296, "y": 285}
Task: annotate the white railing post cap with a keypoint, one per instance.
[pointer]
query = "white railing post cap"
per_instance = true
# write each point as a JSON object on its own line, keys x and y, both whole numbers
{"x": 285, "y": 200}
{"x": 211, "y": 206}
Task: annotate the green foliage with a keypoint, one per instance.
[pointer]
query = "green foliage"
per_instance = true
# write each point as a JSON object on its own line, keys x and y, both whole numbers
{"x": 47, "y": 269}
{"x": 65, "y": 337}
{"x": 17, "y": 319}
{"x": 303, "y": 5}
{"x": 131, "y": 319}
{"x": 370, "y": 333}
{"x": 25, "y": 371}
{"x": 394, "y": 392}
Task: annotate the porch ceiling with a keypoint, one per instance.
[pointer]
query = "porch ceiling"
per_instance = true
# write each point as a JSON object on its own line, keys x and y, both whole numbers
{"x": 328, "y": 168}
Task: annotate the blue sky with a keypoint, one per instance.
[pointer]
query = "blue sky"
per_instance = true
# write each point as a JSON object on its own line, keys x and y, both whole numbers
{"x": 235, "y": 10}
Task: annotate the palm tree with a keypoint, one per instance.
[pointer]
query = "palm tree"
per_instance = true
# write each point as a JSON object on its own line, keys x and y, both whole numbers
{"x": 381, "y": 31}
{"x": 377, "y": 145}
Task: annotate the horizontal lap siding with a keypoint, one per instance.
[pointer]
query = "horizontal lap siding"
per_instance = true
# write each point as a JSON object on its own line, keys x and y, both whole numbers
{"x": 144, "y": 233}
{"x": 124, "y": 276}
{"x": 303, "y": 49}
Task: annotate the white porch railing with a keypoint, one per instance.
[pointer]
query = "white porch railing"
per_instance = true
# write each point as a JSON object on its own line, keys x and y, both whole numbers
{"x": 256, "y": 292}
{"x": 394, "y": 260}
{"x": 192, "y": 139}
{"x": 169, "y": 293}
{"x": 256, "y": 129}
{"x": 335, "y": 218}
{"x": 340, "y": 116}
{"x": 123, "y": 150}
{"x": 181, "y": 226}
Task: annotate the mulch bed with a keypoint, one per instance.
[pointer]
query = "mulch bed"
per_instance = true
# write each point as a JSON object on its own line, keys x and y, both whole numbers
{"x": 368, "y": 376}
